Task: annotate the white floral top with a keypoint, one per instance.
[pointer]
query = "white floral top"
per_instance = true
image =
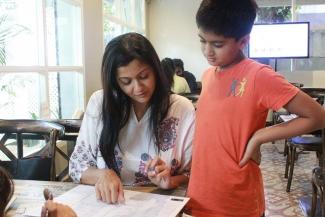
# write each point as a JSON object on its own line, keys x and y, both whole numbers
{"x": 136, "y": 141}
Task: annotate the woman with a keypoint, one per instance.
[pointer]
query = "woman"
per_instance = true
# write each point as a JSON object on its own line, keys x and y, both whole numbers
{"x": 134, "y": 131}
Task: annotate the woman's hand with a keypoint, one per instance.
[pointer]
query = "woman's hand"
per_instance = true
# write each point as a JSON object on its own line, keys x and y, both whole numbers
{"x": 53, "y": 209}
{"x": 109, "y": 187}
{"x": 159, "y": 173}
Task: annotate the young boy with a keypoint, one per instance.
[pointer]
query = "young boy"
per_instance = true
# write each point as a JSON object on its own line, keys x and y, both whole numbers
{"x": 231, "y": 112}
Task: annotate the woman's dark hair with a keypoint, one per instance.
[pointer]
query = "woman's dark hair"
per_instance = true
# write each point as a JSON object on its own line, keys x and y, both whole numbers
{"x": 178, "y": 63}
{"x": 168, "y": 67}
{"x": 116, "y": 107}
{"x": 229, "y": 18}
{"x": 6, "y": 190}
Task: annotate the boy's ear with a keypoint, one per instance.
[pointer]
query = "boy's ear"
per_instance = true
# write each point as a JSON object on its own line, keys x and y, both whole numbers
{"x": 244, "y": 41}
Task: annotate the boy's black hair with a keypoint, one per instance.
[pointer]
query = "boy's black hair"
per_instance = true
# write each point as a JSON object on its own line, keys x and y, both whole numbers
{"x": 229, "y": 18}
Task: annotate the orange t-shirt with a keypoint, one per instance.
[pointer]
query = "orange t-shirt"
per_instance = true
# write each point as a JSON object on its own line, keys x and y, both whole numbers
{"x": 233, "y": 105}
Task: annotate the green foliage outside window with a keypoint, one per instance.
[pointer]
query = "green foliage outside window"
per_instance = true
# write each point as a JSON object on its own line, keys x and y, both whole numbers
{"x": 274, "y": 14}
{"x": 7, "y": 32}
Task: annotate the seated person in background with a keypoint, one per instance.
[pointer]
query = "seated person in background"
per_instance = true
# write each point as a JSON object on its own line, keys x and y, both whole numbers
{"x": 169, "y": 70}
{"x": 189, "y": 77}
{"x": 178, "y": 84}
{"x": 134, "y": 131}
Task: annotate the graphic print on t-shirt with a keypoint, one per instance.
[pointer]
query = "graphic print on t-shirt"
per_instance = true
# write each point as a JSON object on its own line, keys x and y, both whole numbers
{"x": 237, "y": 87}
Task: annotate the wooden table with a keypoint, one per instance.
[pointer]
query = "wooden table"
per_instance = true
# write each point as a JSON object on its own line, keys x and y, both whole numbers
{"x": 29, "y": 192}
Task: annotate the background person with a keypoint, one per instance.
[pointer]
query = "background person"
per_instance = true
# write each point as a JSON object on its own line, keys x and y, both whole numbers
{"x": 189, "y": 77}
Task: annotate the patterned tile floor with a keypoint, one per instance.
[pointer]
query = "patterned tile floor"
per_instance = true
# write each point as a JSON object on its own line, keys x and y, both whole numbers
{"x": 278, "y": 201}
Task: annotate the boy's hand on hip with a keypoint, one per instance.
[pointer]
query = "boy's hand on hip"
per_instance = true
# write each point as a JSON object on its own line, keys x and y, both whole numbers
{"x": 252, "y": 152}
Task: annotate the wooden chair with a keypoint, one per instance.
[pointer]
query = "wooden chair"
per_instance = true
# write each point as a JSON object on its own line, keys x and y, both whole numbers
{"x": 72, "y": 127}
{"x": 318, "y": 183}
{"x": 310, "y": 142}
{"x": 191, "y": 96}
{"x": 39, "y": 165}
{"x": 303, "y": 143}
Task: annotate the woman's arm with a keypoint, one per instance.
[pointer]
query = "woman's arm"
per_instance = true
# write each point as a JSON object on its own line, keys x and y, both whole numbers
{"x": 311, "y": 116}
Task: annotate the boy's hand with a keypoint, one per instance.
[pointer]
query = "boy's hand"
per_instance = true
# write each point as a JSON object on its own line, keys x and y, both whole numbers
{"x": 257, "y": 156}
{"x": 109, "y": 187}
{"x": 252, "y": 152}
{"x": 159, "y": 173}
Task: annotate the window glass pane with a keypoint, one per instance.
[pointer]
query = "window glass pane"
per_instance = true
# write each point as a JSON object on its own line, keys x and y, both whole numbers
{"x": 315, "y": 14}
{"x": 139, "y": 14}
{"x": 66, "y": 99}
{"x": 122, "y": 16}
{"x": 21, "y": 30}
{"x": 22, "y": 95}
{"x": 273, "y": 14}
{"x": 64, "y": 33}
{"x": 110, "y": 8}
{"x": 111, "y": 30}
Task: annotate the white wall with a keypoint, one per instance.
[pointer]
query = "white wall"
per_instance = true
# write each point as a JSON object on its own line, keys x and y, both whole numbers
{"x": 173, "y": 32}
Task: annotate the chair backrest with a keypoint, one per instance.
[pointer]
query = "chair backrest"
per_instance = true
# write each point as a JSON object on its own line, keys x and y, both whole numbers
{"x": 191, "y": 96}
{"x": 39, "y": 165}
{"x": 68, "y": 140}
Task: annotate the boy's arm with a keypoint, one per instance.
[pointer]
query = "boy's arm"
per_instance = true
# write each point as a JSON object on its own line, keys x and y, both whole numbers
{"x": 311, "y": 116}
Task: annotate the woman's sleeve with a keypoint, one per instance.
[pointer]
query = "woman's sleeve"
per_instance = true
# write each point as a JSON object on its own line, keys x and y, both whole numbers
{"x": 187, "y": 125}
{"x": 86, "y": 149}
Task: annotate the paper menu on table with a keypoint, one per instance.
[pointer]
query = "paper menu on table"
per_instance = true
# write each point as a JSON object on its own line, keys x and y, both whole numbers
{"x": 137, "y": 204}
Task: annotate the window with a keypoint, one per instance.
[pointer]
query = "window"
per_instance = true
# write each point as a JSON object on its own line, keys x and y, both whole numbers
{"x": 312, "y": 11}
{"x": 122, "y": 16}
{"x": 315, "y": 14}
{"x": 41, "y": 58}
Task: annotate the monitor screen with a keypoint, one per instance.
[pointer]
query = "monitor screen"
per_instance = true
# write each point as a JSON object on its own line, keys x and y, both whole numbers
{"x": 280, "y": 40}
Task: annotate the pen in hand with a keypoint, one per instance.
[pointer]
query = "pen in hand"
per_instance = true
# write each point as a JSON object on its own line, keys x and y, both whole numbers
{"x": 153, "y": 170}
{"x": 47, "y": 194}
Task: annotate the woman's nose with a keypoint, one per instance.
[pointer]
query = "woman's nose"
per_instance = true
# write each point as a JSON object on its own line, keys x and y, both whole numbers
{"x": 138, "y": 86}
